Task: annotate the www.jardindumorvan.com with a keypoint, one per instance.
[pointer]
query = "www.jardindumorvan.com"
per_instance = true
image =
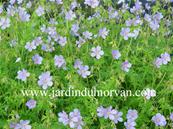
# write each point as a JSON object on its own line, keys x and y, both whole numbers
{"x": 71, "y": 92}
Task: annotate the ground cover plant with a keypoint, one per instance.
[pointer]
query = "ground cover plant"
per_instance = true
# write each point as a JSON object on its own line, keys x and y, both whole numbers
{"x": 48, "y": 46}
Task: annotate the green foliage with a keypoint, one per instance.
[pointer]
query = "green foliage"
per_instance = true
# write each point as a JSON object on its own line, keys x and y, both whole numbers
{"x": 106, "y": 73}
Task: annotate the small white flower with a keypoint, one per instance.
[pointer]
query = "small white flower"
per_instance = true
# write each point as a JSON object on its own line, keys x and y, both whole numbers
{"x": 40, "y": 11}
{"x": 87, "y": 35}
{"x": 70, "y": 15}
{"x": 116, "y": 54}
{"x": 29, "y": 4}
{"x": 125, "y": 66}
{"x": 30, "y": 46}
{"x": 62, "y": 41}
{"x": 11, "y": 10}
{"x": 23, "y": 74}
{"x": 158, "y": 62}
{"x": 23, "y": 15}
{"x": 59, "y": 61}
{"x": 4, "y": 23}
{"x": 97, "y": 52}
{"x": 80, "y": 42}
{"x": 92, "y": 3}
{"x": 148, "y": 93}
{"x": 18, "y": 59}
{"x": 23, "y": 124}
{"x": 13, "y": 43}
{"x": 165, "y": 57}
{"x": 84, "y": 71}
{"x": 59, "y": 2}
{"x": 45, "y": 80}
{"x": 37, "y": 59}
{"x": 77, "y": 63}
{"x": 19, "y": 1}
{"x": 103, "y": 33}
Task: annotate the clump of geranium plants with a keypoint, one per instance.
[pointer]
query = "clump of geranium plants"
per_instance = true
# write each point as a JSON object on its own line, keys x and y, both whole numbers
{"x": 59, "y": 44}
